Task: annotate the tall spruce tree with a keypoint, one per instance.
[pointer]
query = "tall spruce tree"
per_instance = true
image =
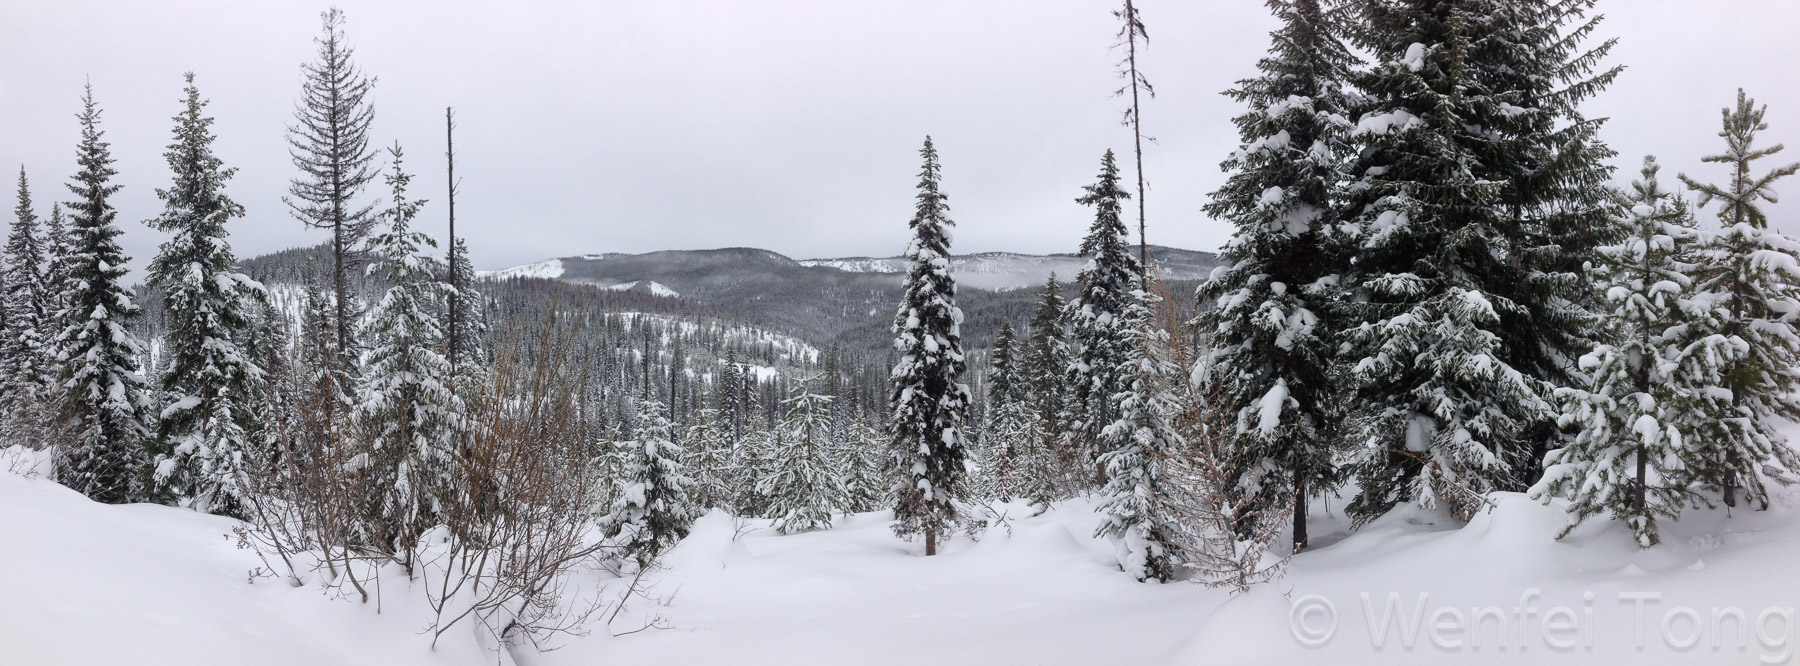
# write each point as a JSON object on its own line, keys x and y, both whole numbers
{"x": 1272, "y": 335}
{"x": 329, "y": 144}
{"x": 1465, "y": 306}
{"x": 24, "y": 337}
{"x": 1137, "y": 500}
{"x": 1557, "y": 202}
{"x": 1099, "y": 340}
{"x": 405, "y": 399}
{"x": 929, "y": 404}
{"x": 1641, "y": 416}
{"x": 214, "y": 383}
{"x": 1750, "y": 270}
{"x": 105, "y": 411}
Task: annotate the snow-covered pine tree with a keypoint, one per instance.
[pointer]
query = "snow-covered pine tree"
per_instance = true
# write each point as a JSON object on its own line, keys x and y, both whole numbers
{"x": 1648, "y": 400}
{"x": 8, "y": 383}
{"x": 1099, "y": 342}
{"x": 405, "y": 401}
{"x": 1273, "y": 339}
{"x": 1139, "y": 445}
{"x": 806, "y": 483}
{"x": 1046, "y": 362}
{"x": 608, "y": 464}
{"x": 1005, "y": 372}
{"x": 653, "y": 510}
{"x": 929, "y": 403}
{"x": 725, "y": 397}
{"x": 317, "y": 391}
{"x": 755, "y": 461}
{"x": 1750, "y": 271}
{"x": 708, "y": 461}
{"x": 1557, "y": 206}
{"x": 56, "y": 283}
{"x": 204, "y": 451}
{"x": 1461, "y": 323}
{"x": 272, "y": 348}
{"x": 866, "y": 481}
{"x": 24, "y": 336}
{"x": 1037, "y": 471}
{"x": 1006, "y": 412}
{"x": 329, "y": 144}
{"x": 105, "y": 411}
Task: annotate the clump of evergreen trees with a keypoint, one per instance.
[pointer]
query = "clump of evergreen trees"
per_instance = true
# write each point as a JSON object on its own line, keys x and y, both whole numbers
{"x": 1432, "y": 292}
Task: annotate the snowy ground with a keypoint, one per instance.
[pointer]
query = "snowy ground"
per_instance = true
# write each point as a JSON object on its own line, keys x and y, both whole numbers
{"x": 82, "y": 583}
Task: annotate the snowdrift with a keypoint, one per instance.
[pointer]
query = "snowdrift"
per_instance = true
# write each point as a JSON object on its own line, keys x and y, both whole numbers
{"x": 83, "y": 583}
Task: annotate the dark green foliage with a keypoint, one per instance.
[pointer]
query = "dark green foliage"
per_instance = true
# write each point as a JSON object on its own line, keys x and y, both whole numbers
{"x": 105, "y": 411}
{"x": 1466, "y": 309}
{"x": 204, "y": 451}
{"x": 1098, "y": 337}
{"x": 1273, "y": 335}
{"x": 928, "y": 403}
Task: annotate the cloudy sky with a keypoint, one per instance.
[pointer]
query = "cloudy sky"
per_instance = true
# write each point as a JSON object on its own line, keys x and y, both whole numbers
{"x": 616, "y": 126}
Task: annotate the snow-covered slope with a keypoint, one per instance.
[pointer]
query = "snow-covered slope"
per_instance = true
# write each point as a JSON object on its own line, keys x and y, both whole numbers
{"x": 655, "y": 288}
{"x": 548, "y": 268}
{"x": 89, "y": 584}
{"x": 83, "y": 583}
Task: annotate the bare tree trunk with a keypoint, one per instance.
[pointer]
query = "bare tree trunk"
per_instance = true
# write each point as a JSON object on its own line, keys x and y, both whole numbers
{"x": 930, "y": 542}
{"x": 1134, "y": 29}
{"x": 455, "y": 289}
{"x": 1300, "y": 535}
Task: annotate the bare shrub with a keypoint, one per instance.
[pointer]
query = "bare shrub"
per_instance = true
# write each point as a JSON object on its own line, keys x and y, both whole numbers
{"x": 1203, "y": 477}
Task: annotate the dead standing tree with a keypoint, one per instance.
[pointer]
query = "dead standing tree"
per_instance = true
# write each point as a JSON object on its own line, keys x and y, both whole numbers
{"x": 1130, "y": 33}
{"x": 455, "y": 288}
{"x": 329, "y": 143}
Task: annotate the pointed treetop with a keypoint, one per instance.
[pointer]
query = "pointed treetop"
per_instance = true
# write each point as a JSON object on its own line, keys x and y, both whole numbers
{"x": 1741, "y": 123}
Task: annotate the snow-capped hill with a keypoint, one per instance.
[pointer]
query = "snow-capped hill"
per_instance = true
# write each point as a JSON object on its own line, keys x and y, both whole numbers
{"x": 548, "y": 269}
{"x": 824, "y": 298}
{"x": 1004, "y": 271}
{"x": 655, "y": 288}
{"x": 859, "y": 264}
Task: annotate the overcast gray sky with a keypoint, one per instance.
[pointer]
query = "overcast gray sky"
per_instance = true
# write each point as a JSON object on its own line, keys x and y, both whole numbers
{"x": 615, "y": 126}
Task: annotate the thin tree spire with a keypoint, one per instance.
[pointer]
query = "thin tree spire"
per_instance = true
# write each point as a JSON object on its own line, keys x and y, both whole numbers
{"x": 1130, "y": 32}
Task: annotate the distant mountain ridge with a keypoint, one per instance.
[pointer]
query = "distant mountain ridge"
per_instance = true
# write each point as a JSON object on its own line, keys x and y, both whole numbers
{"x": 825, "y": 299}
{"x": 847, "y": 301}
{"x": 997, "y": 271}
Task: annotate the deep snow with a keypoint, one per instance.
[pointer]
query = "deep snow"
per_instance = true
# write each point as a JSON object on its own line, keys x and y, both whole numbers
{"x": 82, "y": 583}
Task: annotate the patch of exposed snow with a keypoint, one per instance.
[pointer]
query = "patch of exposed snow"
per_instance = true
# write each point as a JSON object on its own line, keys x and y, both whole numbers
{"x": 548, "y": 269}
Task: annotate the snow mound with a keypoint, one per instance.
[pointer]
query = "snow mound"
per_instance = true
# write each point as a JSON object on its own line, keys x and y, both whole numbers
{"x": 148, "y": 585}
